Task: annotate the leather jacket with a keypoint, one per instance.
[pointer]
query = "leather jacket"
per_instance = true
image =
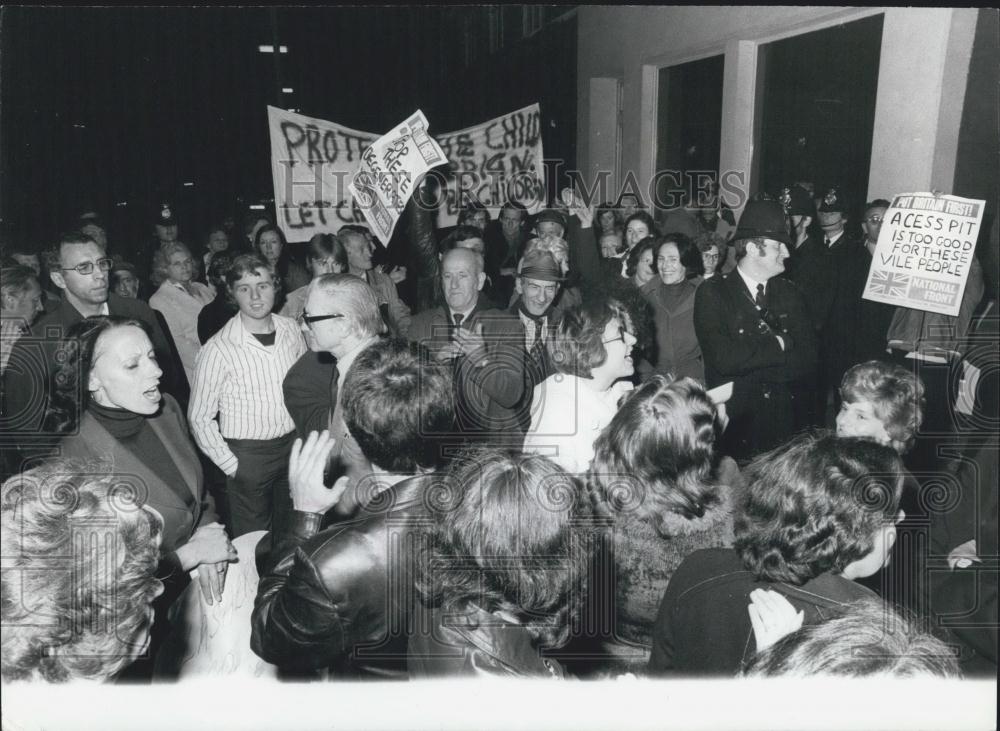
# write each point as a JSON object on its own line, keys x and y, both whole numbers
{"x": 341, "y": 598}
{"x": 477, "y": 644}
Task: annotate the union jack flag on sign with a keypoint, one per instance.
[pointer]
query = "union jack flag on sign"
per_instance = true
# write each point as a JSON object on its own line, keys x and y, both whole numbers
{"x": 888, "y": 284}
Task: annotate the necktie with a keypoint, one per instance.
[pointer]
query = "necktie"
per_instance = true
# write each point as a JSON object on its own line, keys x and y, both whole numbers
{"x": 826, "y": 240}
{"x": 455, "y": 324}
{"x": 759, "y": 299}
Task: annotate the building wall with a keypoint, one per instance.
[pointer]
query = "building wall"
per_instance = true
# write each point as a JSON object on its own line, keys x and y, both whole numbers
{"x": 921, "y": 86}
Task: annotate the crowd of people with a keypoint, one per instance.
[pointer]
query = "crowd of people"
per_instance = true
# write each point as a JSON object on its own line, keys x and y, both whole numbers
{"x": 582, "y": 443}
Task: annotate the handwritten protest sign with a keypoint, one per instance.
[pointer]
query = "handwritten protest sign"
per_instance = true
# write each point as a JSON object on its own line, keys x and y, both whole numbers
{"x": 390, "y": 169}
{"x": 313, "y": 162}
{"x": 495, "y": 161}
{"x": 924, "y": 252}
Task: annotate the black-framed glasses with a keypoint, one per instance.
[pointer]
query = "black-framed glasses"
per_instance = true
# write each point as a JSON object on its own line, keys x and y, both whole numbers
{"x": 310, "y": 319}
{"x": 874, "y": 219}
{"x": 88, "y": 266}
{"x": 622, "y": 331}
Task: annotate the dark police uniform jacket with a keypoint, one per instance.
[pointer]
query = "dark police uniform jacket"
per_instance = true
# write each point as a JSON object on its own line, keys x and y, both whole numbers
{"x": 738, "y": 346}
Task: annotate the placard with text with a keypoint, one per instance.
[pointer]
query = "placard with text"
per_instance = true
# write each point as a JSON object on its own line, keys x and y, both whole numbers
{"x": 924, "y": 251}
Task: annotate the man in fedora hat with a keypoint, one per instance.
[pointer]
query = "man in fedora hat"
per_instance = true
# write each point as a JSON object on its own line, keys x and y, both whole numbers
{"x": 538, "y": 283}
{"x": 754, "y": 330}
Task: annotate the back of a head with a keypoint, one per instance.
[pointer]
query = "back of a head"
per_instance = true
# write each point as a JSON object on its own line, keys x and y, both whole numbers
{"x": 656, "y": 456}
{"x": 80, "y": 557}
{"x": 394, "y": 406}
{"x": 506, "y": 527}
{"x": 814, "y": 504}
{"x": 867, "y": 639}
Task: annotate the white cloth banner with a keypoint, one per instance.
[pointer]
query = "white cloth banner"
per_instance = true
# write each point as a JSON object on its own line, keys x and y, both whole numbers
{"x": 391, "y": 168}
{"x": 313, "y": 161}
{"x": 924, "y": 252}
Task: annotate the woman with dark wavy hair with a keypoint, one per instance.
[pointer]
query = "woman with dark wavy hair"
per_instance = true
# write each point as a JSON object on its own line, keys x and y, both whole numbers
{"x": 591, "y": 353}
{"x": 656, "y": 474}
{"x": 671, "y": 298}
{"x": 107, "y": 401}
{"x": 504, "y": 569}
{"x": 819, "y": 513}
{"x": 80, "y": 555}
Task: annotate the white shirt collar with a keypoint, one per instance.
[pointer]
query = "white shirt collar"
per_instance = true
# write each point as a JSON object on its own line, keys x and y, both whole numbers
{"x": 750, "y": 281}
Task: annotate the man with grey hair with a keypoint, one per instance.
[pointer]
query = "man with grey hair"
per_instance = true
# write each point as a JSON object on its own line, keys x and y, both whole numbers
{"x": 359, "y": 261}
{"x": 485, "y": 347}
{"x": 340, "y": 319}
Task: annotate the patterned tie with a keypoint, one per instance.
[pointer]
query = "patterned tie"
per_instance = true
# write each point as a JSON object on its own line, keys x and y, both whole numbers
{"x": 456, "y": 324}
{"x": 759, "y": 299}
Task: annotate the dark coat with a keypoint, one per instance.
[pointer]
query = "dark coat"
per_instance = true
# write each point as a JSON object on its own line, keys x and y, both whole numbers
{"x": 834, "y": 278}
{"x": 341, "y": 598}
{"x": 703, "y": 628}
{"x": 738, "y": 347}
{"x": 181, "y": 515}
{"x": 490, "y": 397}
{"x": 677, "y": 349}
{"x": 310, "y": 391}
{"x": 27, "y": 381}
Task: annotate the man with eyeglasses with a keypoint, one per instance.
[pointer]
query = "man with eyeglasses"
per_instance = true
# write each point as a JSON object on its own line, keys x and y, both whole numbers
{"x": 754, "y": 331}
{"x": 340, "y": 320}
{"x": 81, "y": 269}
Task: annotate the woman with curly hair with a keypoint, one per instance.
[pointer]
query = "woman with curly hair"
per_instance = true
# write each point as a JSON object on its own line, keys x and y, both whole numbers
{"x": 79, "y": 573}
{"x": 819, "y": 513}
{"x": 885, "y": 402}
{"x": 107, "y": 400}
{"x": 591, "y": 353}
{"x": 503, "y": 569}
{"x": 657, "y": 476}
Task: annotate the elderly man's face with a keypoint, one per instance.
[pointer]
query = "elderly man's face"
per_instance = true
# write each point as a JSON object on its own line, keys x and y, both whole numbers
{"x": 461, "y": 277}
{"x": 324, "y": 336}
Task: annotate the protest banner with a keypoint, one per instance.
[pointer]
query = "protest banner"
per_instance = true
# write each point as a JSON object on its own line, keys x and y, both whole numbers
{"x": 391, "y": 168}
{"x": 494, "y": 161}
{"x": 924, "y": 252}
{"x": 313, "y": 161}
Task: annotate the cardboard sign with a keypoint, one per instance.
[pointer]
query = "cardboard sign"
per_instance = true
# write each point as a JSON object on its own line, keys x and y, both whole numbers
{"x": 313, "y": 162}
{"x": 924, "y": 252}
{"x": 391, "y": 168}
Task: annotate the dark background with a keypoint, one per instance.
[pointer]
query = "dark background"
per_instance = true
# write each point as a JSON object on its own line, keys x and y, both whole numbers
{"x": 101, "y": 106}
